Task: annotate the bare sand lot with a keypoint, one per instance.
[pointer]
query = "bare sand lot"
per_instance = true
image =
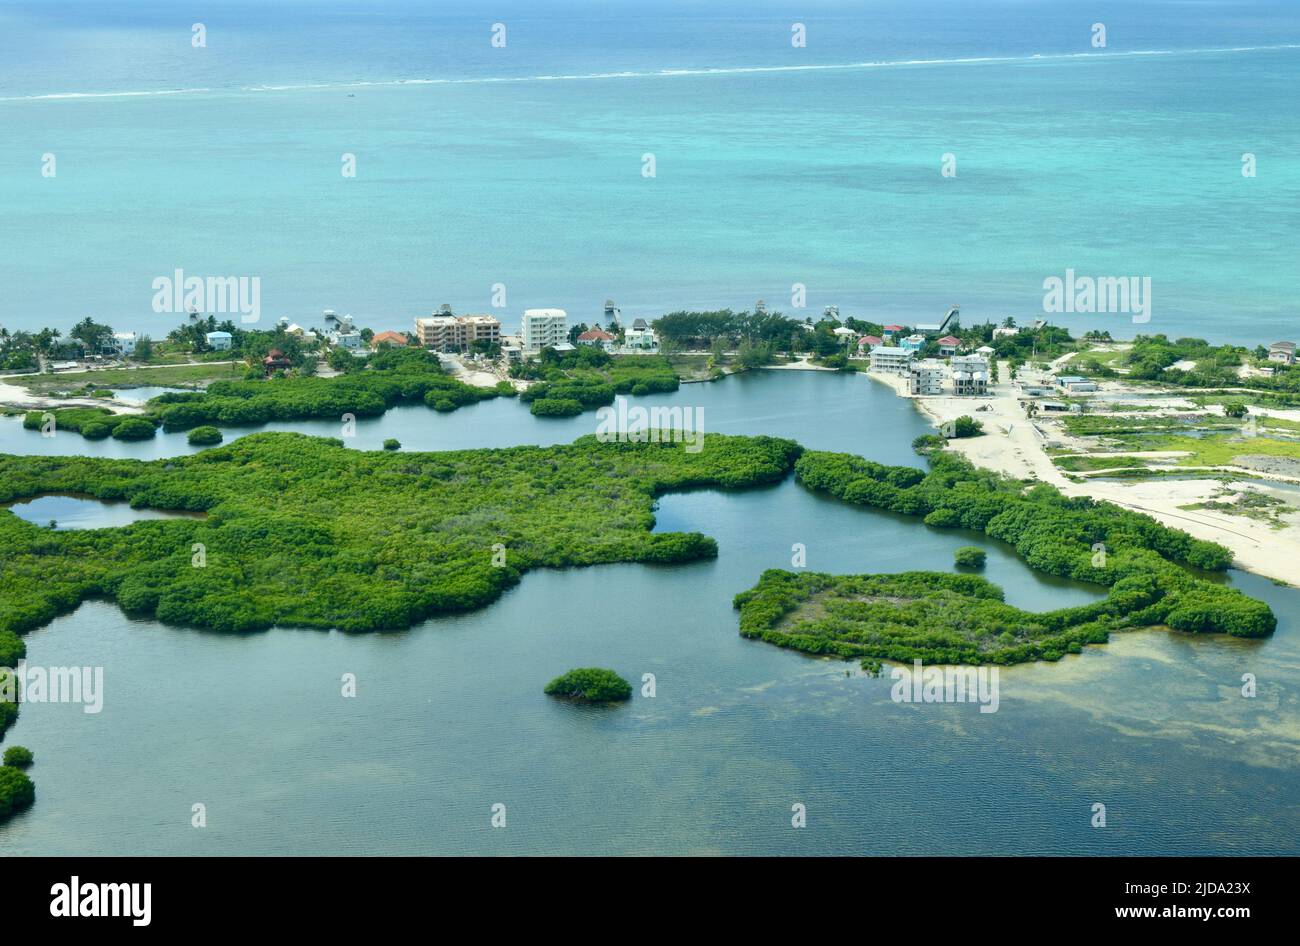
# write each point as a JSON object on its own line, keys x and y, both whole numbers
{"x": 1016, "y": 445}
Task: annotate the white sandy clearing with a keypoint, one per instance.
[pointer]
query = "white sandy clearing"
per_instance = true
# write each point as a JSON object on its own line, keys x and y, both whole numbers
{"x": 1014, "y": 445}
{"x": 11, "y": 395}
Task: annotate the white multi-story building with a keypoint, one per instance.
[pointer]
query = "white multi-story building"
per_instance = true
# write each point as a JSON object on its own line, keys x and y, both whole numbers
{"x": 219, "y": 341}
{"x": 123, "y": 343}
{"x": 640, "y": 335}
{"x": 970, "y": 375}
{"x": 891, "y": 360}
{"x": 545, "y": 328}
{"x": 925, "y": 377}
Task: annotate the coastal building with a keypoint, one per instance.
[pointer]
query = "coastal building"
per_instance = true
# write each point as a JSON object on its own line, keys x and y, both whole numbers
{"x": 597, "y": 337}
{"x": 395, "y": 339}
{"x": 545, "y": 328}
{"x": 913, "y": 343}
{"x": 219, "y": 341}
{"x": 123, "y": 343}
{"x": 925, "y": 377}
{"x": 988, "y": 351}
{"x": 928, "y": 328}
{"x": 1035, "y": 386}
{"x": 970, "y": 375}
{"x": 1282, "y": 352}
{"x": 457, "y": 332}
{"x": 891, "y": 360}
{"x": 345, "y": 339}
{"x": 869, "y": 342}
{"x": 640, "y": 335}
{"x": 890, "y": 331}
{"x": 1006, "y": 332}
{"x": 1075, "y": 384}
{"x": 276, "y": 360}
{"x": 948, "y": 345}
{"x": 844, "y": 333}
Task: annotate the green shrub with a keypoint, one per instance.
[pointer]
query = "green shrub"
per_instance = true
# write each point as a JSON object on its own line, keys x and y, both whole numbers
{"x": 967, "y": 426}
{"x": 927, "y": 443}
{"x": 970, "y": 556}
{"x": 16, "y": 791}
{"x": 943, "y": 518}
{"x": 134, "y": 428}
{"x": 392, "y": 444}
{"x": 590, "y": 685}
{"x": 20, "y": 757}
{"x": 96, "y": 430}
{"x": 205, "y": 436}
{"x": 557, "y": 407}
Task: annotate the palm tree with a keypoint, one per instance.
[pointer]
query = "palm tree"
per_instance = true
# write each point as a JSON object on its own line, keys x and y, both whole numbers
{"x": 1008, "y": 322}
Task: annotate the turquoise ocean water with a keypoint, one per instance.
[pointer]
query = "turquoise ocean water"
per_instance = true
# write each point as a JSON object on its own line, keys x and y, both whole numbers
{"x": 775, "y": 165}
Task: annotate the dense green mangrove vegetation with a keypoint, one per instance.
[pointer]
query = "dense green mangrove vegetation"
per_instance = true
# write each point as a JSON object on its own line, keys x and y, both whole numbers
{"x": 928, "y": 616}
{"x": 205, "y": 436}
{"x": 590, "y": 685}
{"x": 93, "y": 423}
{"x": 1149, "y": 568}
{"x": 16, "y": 791}
{"x": 20, "y": 757}
{"x": 301, "y": 531}
{"x": 588, "y": 378}
{"x": 393, "y": 376}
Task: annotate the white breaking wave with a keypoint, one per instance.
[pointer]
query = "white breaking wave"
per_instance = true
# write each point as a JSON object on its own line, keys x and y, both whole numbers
{"x": 658, "y": 74}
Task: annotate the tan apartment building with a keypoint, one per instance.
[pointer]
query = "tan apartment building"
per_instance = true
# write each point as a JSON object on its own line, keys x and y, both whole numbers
{"x": 443, "y": 332}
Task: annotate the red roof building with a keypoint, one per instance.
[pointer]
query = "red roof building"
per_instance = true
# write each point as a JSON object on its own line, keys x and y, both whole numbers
{"x": 397, "y": 339}
{"x": 869, "y": 341}
{"x": 276, "y": 360}
{"x": 595, "y": 336}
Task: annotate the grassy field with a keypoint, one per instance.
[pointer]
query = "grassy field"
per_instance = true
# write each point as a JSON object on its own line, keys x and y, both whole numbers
{"x": 1088, "y": 464}
{"x": 1098, "y": 358}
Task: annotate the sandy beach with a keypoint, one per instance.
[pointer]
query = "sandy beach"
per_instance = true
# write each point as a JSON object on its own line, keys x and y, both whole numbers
{"x": 19, "y": 398}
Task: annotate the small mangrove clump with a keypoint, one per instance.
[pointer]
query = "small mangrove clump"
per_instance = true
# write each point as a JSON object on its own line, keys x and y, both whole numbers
{"x": 205, "y": 436}
{"x": 590, "y": 685}
{"x": 20, "y": 757}
{"x": 970, "y": 556}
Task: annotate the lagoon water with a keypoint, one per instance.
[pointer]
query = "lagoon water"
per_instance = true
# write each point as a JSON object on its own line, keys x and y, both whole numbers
{"x": 450, "y": 719}
{"x": 83, "y": 512}
{"x": 774, "y": 165}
